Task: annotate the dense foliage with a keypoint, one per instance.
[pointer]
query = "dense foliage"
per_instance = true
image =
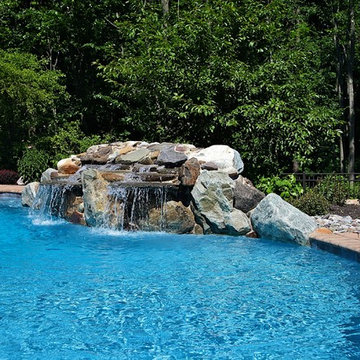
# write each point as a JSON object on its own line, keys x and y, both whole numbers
{"x": 312, "y": 203}
{"x": 287, "y": 187}
{"x": 32, "y": 164}
{"x": 335, "y": 189}
{"x": 266, "y": 77}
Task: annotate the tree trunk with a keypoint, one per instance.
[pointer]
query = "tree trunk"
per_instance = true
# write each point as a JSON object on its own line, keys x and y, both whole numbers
{"x": 350, "y": 88}
{"x": 340, "y": 86}
{"x": 165, "y": 6}
{"x": 342, "y": 158}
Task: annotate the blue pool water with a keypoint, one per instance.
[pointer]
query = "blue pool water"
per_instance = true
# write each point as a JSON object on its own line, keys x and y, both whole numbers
{"x": 70, "y": 292}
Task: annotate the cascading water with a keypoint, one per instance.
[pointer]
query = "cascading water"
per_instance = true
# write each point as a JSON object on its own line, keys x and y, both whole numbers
{"x": 128, "y": 206}
{"x": 51, "y": 201}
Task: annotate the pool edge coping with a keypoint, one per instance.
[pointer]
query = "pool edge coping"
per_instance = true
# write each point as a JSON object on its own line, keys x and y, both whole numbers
{"x": 11, "y": 189}
{"x": 346, "y": 245}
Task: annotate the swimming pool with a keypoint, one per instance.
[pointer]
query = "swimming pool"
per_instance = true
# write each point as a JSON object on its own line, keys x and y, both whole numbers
{"x": 71, "y": 292}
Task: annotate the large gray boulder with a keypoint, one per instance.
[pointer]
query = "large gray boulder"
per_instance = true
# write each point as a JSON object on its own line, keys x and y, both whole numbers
{"x": 140, "y": 155}
{"x": 95, "y": 197}
{"x": 213, "y": 198}
{"x": 29, "y": 193}
{"x": 170, "y": 157}
{"x": 276, "y": 219}
{"x": 246, "y": 196}
{"x": 223, "y": 157}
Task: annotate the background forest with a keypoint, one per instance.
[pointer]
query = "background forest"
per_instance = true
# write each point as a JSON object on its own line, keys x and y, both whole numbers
{"x": 275, "y": 79}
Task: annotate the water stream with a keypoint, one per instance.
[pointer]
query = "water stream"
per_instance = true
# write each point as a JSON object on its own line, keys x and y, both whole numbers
{"x": 128, "y": 207}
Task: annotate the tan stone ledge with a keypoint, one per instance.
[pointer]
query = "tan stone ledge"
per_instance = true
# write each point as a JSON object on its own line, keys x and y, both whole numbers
{"x": 346, "y": 244}
{"x": 12, "y": 189}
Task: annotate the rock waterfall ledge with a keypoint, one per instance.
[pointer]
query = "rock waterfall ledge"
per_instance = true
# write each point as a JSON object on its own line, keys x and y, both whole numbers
{"x": 170, "y": 187}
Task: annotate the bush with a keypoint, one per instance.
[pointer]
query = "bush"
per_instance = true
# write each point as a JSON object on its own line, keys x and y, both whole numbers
{"x": 334, "y": 189}
{"x": 33, "y": 163}
{"x": 69, "y": 140}
{"x": 354, "y": 191}
{"x": 8, "y": 177}
{"x": 312, "y": 203}
{"x": 287, "y": 187}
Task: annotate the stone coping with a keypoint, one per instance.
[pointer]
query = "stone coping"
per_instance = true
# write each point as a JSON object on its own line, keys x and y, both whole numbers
{"x": 346, "y": 245}
{"x": 11, "y": 189}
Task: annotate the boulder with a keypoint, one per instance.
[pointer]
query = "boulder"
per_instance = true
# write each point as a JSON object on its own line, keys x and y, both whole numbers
{"x": 170, "y": 157}
{"x": 187, "y": 149}
{"x": 189, "y": 172}
{"x": 97, "y": 154}
{"x": 29, "y": 193}
{"x": 72, "y": 213}
{"x": 276, "y": 219}
{"x": 68, "y": 166}
{"x": 200, "y": 220}
{"x": 104, "y": 153}
{"x": 213, "y": 198}
{"x": 159, "y": 146}
{"x": 223, "y": 157}
{"x": 95, "y": 197}
{"x": 120, "y": 151}
{"x": 46, "y": 176}
{"x": 140, "y": 155}
{"x": 246, "y": 196}
{"x": 174, "y": 218}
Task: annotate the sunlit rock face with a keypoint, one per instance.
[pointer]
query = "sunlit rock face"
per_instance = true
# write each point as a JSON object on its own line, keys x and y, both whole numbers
{"x": 276, "y": 219}
{"x": 213, "y": 195}
{"x": 171, "y": 187}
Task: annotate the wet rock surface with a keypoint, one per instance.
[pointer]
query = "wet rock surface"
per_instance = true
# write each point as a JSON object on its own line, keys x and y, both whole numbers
{"x": 29, "y": 194}
{"x": 174, "y": 217}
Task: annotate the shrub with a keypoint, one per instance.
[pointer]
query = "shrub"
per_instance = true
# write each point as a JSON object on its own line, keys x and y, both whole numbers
{"x": 354, "y": 191}
{"x": 287, "y": 187}
{"x": 312, "y": 203}
{"x": 8, "y": 177}
{"x": 33, "y": 163}
{"x": 69, "y": 140}
{"x": 334, "y": 189}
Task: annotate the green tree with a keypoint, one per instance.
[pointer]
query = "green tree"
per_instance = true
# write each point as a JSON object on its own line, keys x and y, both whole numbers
{"x": 29, "y": 97}
{"x": 250, "y": 75}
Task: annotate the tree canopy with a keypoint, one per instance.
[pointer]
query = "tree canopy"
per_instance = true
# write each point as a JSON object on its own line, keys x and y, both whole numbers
{"x": 269, "y": 78}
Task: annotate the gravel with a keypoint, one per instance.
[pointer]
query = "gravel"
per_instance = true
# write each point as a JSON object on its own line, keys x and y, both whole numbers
{"x": 338, "y": 224}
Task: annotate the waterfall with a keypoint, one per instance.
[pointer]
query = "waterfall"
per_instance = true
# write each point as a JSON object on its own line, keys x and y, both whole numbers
{"x": 128, "y": 207}
{"x": 50, "y": 200}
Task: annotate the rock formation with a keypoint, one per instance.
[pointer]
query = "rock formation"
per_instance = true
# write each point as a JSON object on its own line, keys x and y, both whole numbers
{"x": 177, "y": 188}
{"x": 276, "y": 219}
